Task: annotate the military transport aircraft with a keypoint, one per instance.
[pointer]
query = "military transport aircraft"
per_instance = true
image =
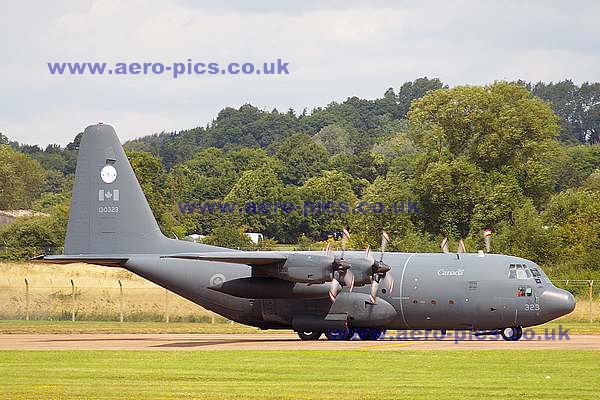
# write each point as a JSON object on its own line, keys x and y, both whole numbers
{"x": 339, "y": 294}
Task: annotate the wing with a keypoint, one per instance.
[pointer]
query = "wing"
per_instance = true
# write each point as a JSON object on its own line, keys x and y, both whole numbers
{"x": 253, "y": 259}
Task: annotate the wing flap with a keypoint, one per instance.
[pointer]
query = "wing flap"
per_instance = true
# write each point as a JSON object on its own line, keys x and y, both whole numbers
{"x": 96, "y": 259}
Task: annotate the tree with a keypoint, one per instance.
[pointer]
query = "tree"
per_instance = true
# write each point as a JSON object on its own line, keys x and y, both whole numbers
{"x": 577, "y": 163}
{"x": 494, "y": 127}
{"x": 254, "y": 188}
{"x": 589, "y": 96}
{"x": 577, "y": 106}
{"x": 399, "y": 154}
{"x": 448, "y": 192}
{"x": 525, "y": 235}
{"x": 246, "y": 159}
{"x": 21, "y": 179}
{"x": 153, "y": 180}
{"x": 574, "y": 217}
{"x": 208, "y": 175}
{"x": 393, "y": 192}
{"x": 499, "y": 197}
{"x": 331, "y": 186}
{"x": 335, "y": 139}
{"x": 414, "y": 90}
{"x": 230, "y": 237}
{"x": 302, "y": 158}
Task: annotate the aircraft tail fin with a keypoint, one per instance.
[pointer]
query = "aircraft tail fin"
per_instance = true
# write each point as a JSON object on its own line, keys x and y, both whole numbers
{"x": 109, "y": 213}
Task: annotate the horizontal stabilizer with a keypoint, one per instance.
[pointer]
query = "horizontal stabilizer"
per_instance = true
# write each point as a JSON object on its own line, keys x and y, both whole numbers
{"x": 96, "y": 259}
{"x": 253, "y": 259}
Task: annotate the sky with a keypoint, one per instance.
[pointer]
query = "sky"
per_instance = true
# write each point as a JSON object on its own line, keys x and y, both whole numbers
{"x": 335, "y": 49}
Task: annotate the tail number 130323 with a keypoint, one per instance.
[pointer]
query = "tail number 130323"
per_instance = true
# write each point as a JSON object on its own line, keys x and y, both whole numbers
{"x": 108, "y": 209}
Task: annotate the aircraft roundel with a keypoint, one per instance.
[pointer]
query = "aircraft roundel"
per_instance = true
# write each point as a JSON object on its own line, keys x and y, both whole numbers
{"x": 108, "y": 174}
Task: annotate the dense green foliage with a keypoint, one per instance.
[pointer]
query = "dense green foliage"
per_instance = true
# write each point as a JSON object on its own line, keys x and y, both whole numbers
{"x": 522, "y": 159}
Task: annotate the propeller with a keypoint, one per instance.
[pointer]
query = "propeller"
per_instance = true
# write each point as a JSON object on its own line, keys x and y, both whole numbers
{"x": 444, "y": 245}
{"x": 487, "y": 236}
{"x": 381, "y": 272}
{"x": 461, "y": 247}
{"x": 341, "y": 269}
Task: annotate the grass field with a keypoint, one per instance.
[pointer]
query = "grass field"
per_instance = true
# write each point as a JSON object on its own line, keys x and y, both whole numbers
{"x": 299, "y": 374}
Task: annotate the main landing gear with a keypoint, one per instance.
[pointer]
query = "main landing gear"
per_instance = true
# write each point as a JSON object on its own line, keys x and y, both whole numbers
{"x": 343, "y": 334}
{"x": 512, "y": 333}
{"x": 309, "y": 335}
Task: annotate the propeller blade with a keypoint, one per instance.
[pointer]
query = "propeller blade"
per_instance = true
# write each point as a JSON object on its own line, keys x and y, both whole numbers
{"x": 461, "y": 246}
{"x": 349, "y": 280}
{"x": 487, "y": 235}
{"x": 388, "y": 283}
{"x": 328, "y": 249}
{"x": 334, "y": 289}
{"x": 374, "y": 289}
{"x": 345, "y": 238}
{"x": 385, "y": 238}
{"x": 369, "y": 256}
{"x": 444, "y": 245}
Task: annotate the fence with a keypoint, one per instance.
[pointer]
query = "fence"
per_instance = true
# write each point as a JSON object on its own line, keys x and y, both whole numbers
{"x": 576, "y": 285}
{"x": 85, "y": 303}
{"x": 126, "y": 300}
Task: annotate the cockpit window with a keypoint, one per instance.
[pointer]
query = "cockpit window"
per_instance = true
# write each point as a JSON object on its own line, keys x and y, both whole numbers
{"x": 512, "y": 271}
{"x": 535, "y": 272}
{"x": 520, "y": 271}
{"x": 538, "y": 281}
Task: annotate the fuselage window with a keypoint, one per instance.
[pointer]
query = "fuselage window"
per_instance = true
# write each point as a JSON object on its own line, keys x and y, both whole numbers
{"x": 528, "y": 273}
{"x": 535, "y": 272}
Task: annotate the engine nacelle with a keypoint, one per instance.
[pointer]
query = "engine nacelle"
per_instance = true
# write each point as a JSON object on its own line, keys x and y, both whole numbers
{"x": 362, "y": 270}
{"x": 304, "y": 268}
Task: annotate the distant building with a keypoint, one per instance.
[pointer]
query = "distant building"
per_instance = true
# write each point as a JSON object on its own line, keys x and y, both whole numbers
{"x": 255, "y": 237}
{"x": 8, "y": 216}
{"x": 194, "y": 237}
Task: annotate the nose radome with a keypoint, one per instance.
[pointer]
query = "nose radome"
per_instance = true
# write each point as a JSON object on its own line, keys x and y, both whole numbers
{"x": 557, "y": 302}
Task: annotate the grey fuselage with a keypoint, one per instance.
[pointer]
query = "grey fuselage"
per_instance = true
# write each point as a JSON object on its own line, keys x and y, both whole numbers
{"x": 432, "y": 291}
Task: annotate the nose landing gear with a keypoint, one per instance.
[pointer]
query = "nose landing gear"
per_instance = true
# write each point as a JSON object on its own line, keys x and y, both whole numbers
{"x": 513, "y": 333}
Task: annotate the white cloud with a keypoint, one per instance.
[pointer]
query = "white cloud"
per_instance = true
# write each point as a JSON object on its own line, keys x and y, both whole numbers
{"x": 335, "y": 50}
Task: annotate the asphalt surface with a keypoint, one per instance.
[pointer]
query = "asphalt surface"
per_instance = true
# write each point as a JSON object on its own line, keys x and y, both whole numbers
{"x": 279, "y": 342}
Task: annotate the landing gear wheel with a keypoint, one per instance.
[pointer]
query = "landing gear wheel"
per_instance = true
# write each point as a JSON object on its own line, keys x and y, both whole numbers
{"x": 340, "y": 334}
{"x": 513, "y": 333}
{"x": 309, "y": 335}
